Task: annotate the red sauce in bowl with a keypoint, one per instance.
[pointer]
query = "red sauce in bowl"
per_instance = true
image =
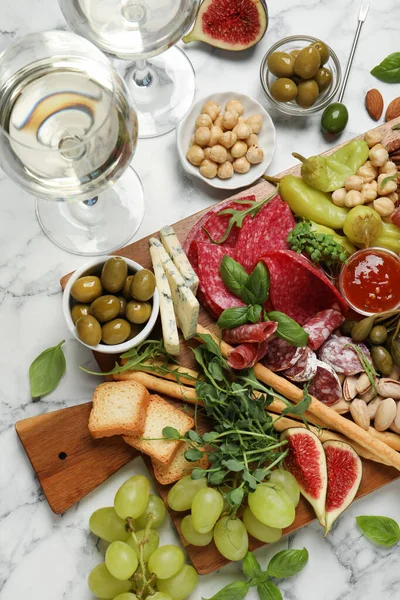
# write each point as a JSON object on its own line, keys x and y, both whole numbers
{"x": 370, "y": 281}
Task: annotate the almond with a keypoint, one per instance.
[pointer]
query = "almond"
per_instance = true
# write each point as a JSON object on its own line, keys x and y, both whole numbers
{"x": 393, "y": 110}
{"x": 374, "y": 104}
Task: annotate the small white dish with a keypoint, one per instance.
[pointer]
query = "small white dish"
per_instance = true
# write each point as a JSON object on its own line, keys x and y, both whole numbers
{"x": 266, "y": 138}
{"x": 94, "y": 268}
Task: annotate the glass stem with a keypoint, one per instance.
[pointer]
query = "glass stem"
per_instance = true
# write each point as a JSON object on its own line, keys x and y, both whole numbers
{"x": 91, "y": 201}
{"x": 141, "y": 73}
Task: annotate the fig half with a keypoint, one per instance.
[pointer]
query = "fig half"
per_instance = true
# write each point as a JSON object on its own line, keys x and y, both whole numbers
{"x": 305, "y": 460}
{"x": 229, "y": 24}
{"x": 344, "y": 468}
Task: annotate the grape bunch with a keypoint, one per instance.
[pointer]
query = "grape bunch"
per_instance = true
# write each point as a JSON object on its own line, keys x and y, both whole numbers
{"x": 135, "y": 566}
{"x": 271, "y": 508}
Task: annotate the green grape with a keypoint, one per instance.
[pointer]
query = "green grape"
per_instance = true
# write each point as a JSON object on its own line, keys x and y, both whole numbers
{"x": 126, "y": 596}
{"x": 132, "y": 497}
{"x": 160, "y": 595}
{"x": 179, "y": 586}
{"x": 105, "y": 523}
{"x": 272, "y": 507}
{"x": 207, "y": 506}
{"x": 258, "y": 530}
{"x": 155, "y": 506}
{"x": 121, "y": 560}
{"x": 166, "y": 561}
{"x": 230, "y": 537}
{"x": 180, "y": 496}
{"x": 153, "y": 539}
{"x": 103, "y": 585}
{"x": 193, "y": 536}
{"x": 288, "y": 483}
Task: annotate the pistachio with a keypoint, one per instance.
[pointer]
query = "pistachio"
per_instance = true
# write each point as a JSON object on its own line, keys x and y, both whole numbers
{"x": 389, "y": 388}
{"x": 341, "y": 406}
{"x": 395, "y": 426}
{"x": 385, "y": 414}
{"x": 395, "y": 373}
{"x": 369, "y": 395}
{"x": 350, "y": 387}
{"x": 359, "y": 412}
{"x": 372, "y": 407}
{"x": 363, "y": 384}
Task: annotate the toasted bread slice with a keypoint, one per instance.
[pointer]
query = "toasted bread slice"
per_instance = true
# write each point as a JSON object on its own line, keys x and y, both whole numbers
{"x": 160, "y": 414}
{"x": 119, "y": 407}
{"x": 178, "y": 467}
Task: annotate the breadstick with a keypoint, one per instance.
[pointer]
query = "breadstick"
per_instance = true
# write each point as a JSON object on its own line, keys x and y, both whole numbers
{"x": 319, "y": 410}
{"x": 191, "y": 378}
{"x": 159, "y": 385}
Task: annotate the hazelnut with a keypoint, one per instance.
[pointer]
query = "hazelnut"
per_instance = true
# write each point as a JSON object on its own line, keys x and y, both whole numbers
{"x": 378, "y": 155}
{"x": 255, "y": 155}
{"x": 207, "y": 152}
{"x": 386, "y": 185}
{"x": 367, "y": 172}
{"x": 208, "y": 169}
{"x": 373, "y": 137}
{"x": 219, "y": 122}
{"x": 202, "y": 136}
{"x": 388, "y": 168}
{"x": 252, "y": 140}
{"x": 212, "y": 109}
{"x": 235, "y": 105}
{"x": 369, "y": 192}
{"x": 383, "y": 206}
{"x": 255, "y": 122}
{"x": 195, "y": 155}
{"x": 241, "y": 165}
{"x": 225, "y": 171}
{"x": 230, "y": 119}
{"x": 216, "y": 133}
{"x": 227, "y": 139}
{"x": 354, "y": 182}
{"x": 239, "y": 149}
{"x": 243, "y": 131}
{"x": 203, "y": 120}
{"x": 218, "y": 154}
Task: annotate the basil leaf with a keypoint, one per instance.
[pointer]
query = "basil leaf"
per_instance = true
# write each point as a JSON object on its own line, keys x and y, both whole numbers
{"x": 193, "y": 455}
{"x": 46, "y": 371}
{"x": 288, "y": 329}
{"x": 258, "y": 283}
{"x": 381, "y": 530}
{"x": 254, "y": 313}
{"x": 232, "y": 591}
{"x": 233, "y": 275}
{"x": 233, "y": 317}
{"x": 268, "y": 591}
{"x": 287, "y": 563}
{"x": 171, "y": 433}
{"x": 389, "y": 69}
{"x": 250, "y": 566}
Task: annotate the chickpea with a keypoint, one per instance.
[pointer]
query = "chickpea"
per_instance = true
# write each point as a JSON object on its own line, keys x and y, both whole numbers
{"x": 367, "y": 172}
{"x": 218, "y": 154}
{"x": 216, "y": 133}
{"x": 195, "y": 155}
{"x": 202, "y": 136}
{"x": 369, "y": 191}
{"x": 225, "y": 171}
{"x": 239, "y": 149}
{"x": 383, "y": 206}
{"x": 230, "y": 119}
{"x": 388, "y": 168}
{"x": 207, "y": 152}
{"x": 235, "y": 105}
{"x": 212, "y": 109}
{"x": 255, "y": 122}
{"x": 394, "y": 197}
{"x": 354, "y": 182}
{"x": 252, "y": 140}
{"x": 255, "y": 155}
{"x": 227, "y": 139}
{"x": 241, "y": 165}
{"x": 386, "y": 185}
{"x": 208, "y": 169}
{"x": 353, "y": 198}
{"x": 203, "y": 120}
{"x": 219, "y": 122}
{"x": 373, "y": 137}
{"x": 339, "y": 197}
{"x": 243, "y": 131}
{"x": 378, "y": 155}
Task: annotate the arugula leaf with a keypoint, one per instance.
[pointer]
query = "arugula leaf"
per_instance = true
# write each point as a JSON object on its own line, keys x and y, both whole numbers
{"x": 211, "y": 346}
{"x": 389, "y": 69}
{"x": 250, "y": 566}
{"x": 233, "y": 317}
{"x": 232, "y": 591}
{"x": 254, "y": 313}
{"x": 381, "y": 530}
{"x": 287, "y": 563}
{"x": 46, "y": 371}
{"x": 258, "y": 283}
{"x": 171, "y": 433}
{"x": 268, "y": 591}
{"x": 288, "y": 329}
{"x": 301, "y": 407}
{"x": 233, "y": 275}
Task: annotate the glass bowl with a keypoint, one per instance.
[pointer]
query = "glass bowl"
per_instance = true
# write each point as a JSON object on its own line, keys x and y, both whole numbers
{"x": 296, "y": 42}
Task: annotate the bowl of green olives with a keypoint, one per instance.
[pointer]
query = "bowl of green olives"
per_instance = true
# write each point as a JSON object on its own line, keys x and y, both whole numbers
{"x": 111, "y": 304}
{"x": 300, "y": 75}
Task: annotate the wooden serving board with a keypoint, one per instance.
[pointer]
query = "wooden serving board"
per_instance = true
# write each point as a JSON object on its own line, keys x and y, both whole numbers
{"x": 69, "y": 463}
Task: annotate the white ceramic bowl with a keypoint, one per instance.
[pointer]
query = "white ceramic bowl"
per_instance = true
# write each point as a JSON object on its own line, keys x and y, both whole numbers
{"x": 94, "y": 267}
{"x": 266, "y": 139}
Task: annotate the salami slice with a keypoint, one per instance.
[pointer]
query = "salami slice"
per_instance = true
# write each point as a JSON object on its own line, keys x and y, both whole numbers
{"x": 305, "y": 368}
{"x": 326, "y": 385}
{"x": 266, "y": 231}
{"x": 246, "y": 356}
{"x": 321, "y": 326}
{"x": 281, "y": 355}
{"x": 338, "y": 353}
{"x": 258, "y": 332}
{"x": 297, "y": 288}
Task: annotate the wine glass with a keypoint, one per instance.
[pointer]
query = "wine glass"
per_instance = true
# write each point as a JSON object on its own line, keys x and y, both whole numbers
{"x": 162, "y": 88}
{"x": 68, "y": 131}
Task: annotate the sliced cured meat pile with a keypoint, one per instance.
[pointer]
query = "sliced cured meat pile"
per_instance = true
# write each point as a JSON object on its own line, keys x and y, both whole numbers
{"x": 305, "y": 367}
{"x": 268, "y": 230}
{"x": 253, "y": 342}
{"x": 297, "y": 288}
{"x": 326, "y": 385}
{"x": 321, "y": 326}
{"x": 281, "y": 355}
{"x": 338, "y": 353}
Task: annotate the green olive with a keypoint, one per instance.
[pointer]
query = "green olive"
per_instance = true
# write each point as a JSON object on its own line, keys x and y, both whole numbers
{"x": 323, "y": 77}
{"x": 135, "y": 330}
{"x": 138, "y": 312}
{"x": 294, "y": 53}
{"x": 307, "y": 62}
{"x": 382, "y": 359}
{"x": 126, "y": 290}
{"x": 378, "y": 335}
{"x": 78, "y": 311}
{"x": 347, "y": 326}
{"x": 281, "y": 64}
{"x": 88, "y": 330}
{"x": 360, "y": 332}
{"x": 323, "y": 51}
{"x": 334, "y": 118}
{"x": 114, "y": 274}
{"x": 122, "y": 306}
{"x": 143, "y": 285}
{"x": 115, "y": 332}
{"x": 86, "y": 289}
{"x": 284, "y": 89}
{"x": 393, "y": 346}
{"x": 105, "y": 308}
{"x": 307, "y": 93}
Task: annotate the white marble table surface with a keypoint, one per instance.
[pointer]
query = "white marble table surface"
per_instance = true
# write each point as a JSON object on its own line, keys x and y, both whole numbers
{"x": 48, "y": 557}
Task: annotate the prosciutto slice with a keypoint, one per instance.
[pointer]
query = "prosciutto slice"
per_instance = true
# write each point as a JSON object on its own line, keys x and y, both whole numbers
{"x": 252, "y": 333}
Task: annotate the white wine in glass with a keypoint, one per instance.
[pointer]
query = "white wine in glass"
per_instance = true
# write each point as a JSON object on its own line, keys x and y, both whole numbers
{"x": 161, "y": 80}
{"x": 68, "y": 131}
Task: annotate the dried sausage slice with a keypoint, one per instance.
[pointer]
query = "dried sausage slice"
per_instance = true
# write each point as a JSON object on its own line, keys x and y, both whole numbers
{"x": 321, "y": 326}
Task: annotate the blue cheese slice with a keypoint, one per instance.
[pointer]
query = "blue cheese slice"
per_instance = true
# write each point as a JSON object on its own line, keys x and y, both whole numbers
{"x": 167, "y": 314}
{"x": 185, "y": 303}
{"x": 180, "y": 260}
